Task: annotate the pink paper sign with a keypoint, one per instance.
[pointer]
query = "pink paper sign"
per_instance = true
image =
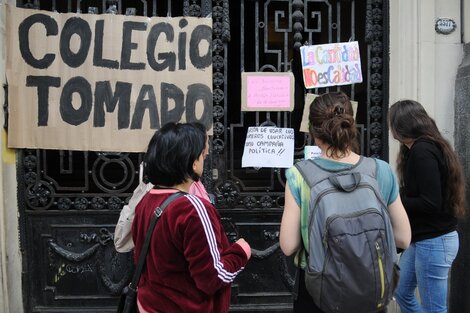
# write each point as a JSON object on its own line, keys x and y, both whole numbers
{"x": 267, "y": 91}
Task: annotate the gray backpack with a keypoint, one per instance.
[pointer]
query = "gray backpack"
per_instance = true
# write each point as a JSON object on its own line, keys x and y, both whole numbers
{"x": 351, "y": 253}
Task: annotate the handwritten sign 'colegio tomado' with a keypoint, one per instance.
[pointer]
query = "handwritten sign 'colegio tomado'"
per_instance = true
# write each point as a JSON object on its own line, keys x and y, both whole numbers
{"x": 104, "y": 82}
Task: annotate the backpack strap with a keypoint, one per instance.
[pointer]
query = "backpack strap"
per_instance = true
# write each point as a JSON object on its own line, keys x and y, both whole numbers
{"x": 367, "y": 166}
{"x": 313, "y": 173}
{"x": 145, "y": 246}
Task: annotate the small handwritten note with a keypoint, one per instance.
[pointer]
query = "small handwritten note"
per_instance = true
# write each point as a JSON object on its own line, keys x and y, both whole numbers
{"x": 269, "y": 147}
{"x": 311, "y": 152}
{"x": 267, "y": 91}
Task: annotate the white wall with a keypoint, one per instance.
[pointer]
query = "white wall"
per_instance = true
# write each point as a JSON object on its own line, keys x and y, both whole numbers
{"x": 423, "y": 63}
{"x": 10, "y": 256}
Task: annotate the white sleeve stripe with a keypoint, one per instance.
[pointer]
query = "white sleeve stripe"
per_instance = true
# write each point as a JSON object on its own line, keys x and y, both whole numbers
{"x": 223, "y": 274}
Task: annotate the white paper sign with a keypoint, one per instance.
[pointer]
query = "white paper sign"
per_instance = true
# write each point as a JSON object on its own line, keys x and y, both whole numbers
{"x": 311, "y": 152}
{"x": 269, "y": 147}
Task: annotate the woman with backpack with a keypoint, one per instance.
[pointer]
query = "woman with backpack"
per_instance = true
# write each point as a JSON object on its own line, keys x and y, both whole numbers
{"x": 432, "y": 189}
{"x": 332, "y": 127}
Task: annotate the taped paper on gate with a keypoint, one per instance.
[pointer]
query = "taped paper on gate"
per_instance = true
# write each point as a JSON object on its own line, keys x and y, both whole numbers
{"x": 331, "y": 64}
{"x": 267, "y": 91}
{"x": 269, "y": 147}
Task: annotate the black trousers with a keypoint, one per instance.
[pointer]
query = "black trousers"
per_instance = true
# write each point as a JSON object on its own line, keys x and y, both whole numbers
{"x": 304, "y": 302}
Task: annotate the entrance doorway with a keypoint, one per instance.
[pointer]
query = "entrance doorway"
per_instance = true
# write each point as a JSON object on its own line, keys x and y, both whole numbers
{"x": 69, "y": 201}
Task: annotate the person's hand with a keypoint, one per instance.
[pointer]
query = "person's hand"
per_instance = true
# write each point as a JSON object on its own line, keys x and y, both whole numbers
{"x": 245, "y": 246}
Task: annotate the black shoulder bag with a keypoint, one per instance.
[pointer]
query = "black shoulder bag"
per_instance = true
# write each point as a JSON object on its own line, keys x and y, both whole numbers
{"x": 128, "y": 300}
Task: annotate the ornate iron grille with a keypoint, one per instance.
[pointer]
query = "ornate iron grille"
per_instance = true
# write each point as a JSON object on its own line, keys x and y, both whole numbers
{"x": 69, "y": 201}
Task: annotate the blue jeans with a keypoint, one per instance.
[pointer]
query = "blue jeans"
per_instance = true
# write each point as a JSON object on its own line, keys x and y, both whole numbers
{"x": 425, "y": 264}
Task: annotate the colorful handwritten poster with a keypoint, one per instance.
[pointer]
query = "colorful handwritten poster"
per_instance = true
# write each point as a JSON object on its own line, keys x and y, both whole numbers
{"x": 267, "y": 91}
{"x": 269, "y": 147}
{"x": 331, "y": 64}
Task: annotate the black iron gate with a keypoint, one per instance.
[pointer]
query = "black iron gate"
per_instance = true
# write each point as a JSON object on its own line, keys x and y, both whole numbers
{"x": 69, "y": 201}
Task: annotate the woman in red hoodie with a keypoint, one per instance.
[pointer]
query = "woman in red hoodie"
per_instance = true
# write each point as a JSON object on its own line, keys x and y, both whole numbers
{"x": 190, "y": 263}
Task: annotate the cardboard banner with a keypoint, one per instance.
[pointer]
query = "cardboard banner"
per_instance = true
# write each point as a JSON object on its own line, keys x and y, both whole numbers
{"x": 267, "y": 91}
{"x": 331, "y": 64}
{"x": 104, "y": 82}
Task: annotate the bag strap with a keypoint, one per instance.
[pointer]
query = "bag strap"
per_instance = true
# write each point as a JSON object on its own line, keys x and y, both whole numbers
{"x": 141, "y": 172}
{"x": 313, "y": 173}
{"x": 143, "y": 254}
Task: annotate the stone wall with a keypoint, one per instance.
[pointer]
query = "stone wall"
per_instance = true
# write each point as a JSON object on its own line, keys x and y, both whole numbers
{"x": 460, "y": 275}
